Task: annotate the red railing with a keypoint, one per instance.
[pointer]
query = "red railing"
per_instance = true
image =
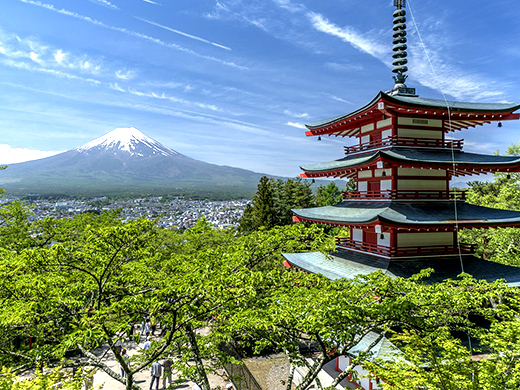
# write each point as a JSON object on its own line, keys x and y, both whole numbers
{"x": 347, "y": 243}
{"x": 407, "y": 142}
{"x": 405, "y": 194}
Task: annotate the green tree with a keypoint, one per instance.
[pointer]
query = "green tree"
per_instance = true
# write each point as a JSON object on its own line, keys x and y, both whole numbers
{"x": 459, "y": 334}
{"x": 261, "y": 212}
{"x": 503, "y": 192}
{"x": 273, "y": 201}
{"x": 289, "y": 194}
{"x": 100, "y": 276}
{"x": 328, "y": 195}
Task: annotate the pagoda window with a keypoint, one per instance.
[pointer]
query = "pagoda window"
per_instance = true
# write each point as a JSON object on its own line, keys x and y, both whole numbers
{"x": 420, "y": 128}
{"x": 364, "y": 174}
{"x": 365, "y": 139}
{"x": 419, "y": 122}
{"x": 386, "y": 185}
{"x": 430, "y": 173}
{"x": 419, "y": 133}
{"x": 367, "y": 128}
{"x": 422, "y": 185}
{"x": 386, "y": 133}
{"x": 362, "y": 186}
{"x": 418, "y": 239}
{"x": 357, "y": 235}
{"x": 384, "y": 123}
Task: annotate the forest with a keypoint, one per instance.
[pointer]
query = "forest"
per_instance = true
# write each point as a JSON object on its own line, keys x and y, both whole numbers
{"x": 71, "y": 286}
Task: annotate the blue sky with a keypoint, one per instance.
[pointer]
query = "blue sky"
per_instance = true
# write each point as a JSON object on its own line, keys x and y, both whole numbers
{"x": 231, "y": 82}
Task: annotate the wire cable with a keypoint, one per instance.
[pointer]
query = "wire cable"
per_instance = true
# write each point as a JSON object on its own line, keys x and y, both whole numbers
{"x": 452, "y": 150}
{"x": 454, "y": 166}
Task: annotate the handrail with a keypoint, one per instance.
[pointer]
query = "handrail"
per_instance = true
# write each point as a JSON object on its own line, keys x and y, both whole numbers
{"x": 406, "y": 194}
{"x": 347, "y": 243}
{"x": 405, "y": 141}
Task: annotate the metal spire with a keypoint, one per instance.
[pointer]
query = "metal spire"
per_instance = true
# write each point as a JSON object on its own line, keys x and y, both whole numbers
{"x": 399, "y": 49}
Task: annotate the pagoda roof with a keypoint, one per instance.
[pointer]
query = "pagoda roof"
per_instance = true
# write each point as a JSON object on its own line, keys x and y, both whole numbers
{"x": 466, "y": 163}
{"x": 461, "y": 115}
{"x": 346, "y": 264}
{"x": 415, "y": 215}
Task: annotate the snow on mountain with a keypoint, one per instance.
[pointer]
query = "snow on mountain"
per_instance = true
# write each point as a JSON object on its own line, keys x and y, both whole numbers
{"x": 130, "y": 140}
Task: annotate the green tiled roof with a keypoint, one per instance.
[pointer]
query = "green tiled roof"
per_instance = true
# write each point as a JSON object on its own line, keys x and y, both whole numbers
{"x": 413, "y": 213}
{"x": 454, "y": 105}
{"x": 413, "y": 155}
{"x": 416, "y": 101}
{"x": 346, "y": 264}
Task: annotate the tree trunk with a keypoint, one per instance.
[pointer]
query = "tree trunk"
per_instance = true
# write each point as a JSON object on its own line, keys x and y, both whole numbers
{"x": 201, "y": 372}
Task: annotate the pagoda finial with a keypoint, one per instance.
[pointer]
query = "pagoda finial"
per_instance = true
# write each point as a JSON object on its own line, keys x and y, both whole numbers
{"x": 399, "y": 49}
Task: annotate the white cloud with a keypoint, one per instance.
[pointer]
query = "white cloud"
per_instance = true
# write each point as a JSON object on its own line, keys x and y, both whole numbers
{"x": 125, "y": 74}
{"x": 10, "y": 155}
{"x": 296, "y": 115}
{"x": 22, "y": 65}
{"x": 135, "y": 34}
{"x": 434, "y": 72}
{"x": 105, "y": 3}
{"x": 116, "y": 87}
{"x": 291, "y": 7}
{"x": 338, "y": 99}
{"x": 347, "y": 34}
{"x": 20, "y": 49}
{"x": 59, "y": 56}
{"x": 184, "y": 34}
{"x": 296, "y": 124}
{"x": 343, "y": 67}
{"x": 164, "y": 96}
{"x": 151, "y": 2}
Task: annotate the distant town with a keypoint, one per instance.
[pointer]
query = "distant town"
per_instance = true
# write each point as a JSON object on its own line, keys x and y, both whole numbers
{"x": 177, "y": 213}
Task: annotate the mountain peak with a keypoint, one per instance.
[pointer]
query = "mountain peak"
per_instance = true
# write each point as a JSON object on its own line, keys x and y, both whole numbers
{"x": 127, "y": 139}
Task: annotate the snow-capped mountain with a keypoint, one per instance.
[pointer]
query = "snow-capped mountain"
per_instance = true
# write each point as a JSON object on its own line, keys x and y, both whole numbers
{"x": 127, "y": 139}
{"x": 125, "y": 161}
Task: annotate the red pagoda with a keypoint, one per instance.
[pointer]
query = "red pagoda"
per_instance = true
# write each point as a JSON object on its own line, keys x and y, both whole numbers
{"x": 403, "y": 217}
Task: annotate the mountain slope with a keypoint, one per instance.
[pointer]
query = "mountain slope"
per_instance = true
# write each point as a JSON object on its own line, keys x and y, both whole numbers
{"x": 125, "y": 162}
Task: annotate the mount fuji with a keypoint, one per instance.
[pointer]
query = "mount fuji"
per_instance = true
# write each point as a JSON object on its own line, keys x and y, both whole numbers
{"x": 126, "y": 162}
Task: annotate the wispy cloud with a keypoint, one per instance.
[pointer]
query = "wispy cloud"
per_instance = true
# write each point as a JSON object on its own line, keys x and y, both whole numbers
{"x": 338, "y": 99}
{"x": 151, "y": 2}
{"x": 135, "y": 34}
{"x": 104, "y": 3}
{"x": 53, "y": 72}
{"x": 10, "y": 155}
{"x": 296, "y": 124}
{"x": 19, "y": 48}
{"x": 164, "y": 96}
{"x": 444, "y": 76}
{"x": 125, "y": 74}
{"x": 184, "y": 34}
{"x": 348, "y": 34}
{"x": 343, "y": 67}
{"x": 296, "y": 115}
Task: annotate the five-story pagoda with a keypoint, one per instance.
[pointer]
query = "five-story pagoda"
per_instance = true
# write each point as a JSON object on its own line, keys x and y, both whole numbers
{"x": 403, "y": 217}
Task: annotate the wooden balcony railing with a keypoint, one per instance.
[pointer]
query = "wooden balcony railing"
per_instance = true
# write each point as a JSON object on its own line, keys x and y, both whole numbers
{"x": 347, "y": 243}
{"x": 405, "y": 142}
{"x": 405, "y": 194}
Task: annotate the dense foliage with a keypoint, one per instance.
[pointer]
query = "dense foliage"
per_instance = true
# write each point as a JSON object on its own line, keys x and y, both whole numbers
{"x": 503, "y": 192}
{"x": 70, "y": 288}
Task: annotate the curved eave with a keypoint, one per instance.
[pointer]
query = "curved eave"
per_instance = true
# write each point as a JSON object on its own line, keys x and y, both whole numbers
{"x": 465, "y": 163}
{"x": 413, "y": 216}
{"x": 461, "y": 115}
